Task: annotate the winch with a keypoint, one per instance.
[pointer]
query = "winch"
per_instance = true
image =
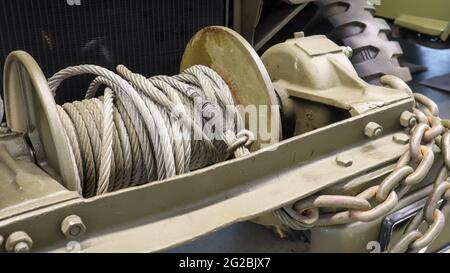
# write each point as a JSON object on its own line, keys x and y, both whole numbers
{"x": 294, "y": 140}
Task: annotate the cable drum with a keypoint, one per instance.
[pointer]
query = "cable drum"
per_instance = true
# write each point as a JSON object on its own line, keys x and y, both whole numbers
{"x": 142, "y": 130}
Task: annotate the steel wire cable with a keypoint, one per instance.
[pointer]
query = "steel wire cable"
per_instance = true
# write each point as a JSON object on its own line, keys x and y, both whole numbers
{"x": 142, "y": 130}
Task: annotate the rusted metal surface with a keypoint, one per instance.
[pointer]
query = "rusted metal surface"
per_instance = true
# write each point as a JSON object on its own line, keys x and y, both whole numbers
{"x": 234, "y": 59}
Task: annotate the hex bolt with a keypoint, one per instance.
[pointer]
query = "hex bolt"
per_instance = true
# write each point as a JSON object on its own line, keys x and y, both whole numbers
{"x": 408, "y": 119}
{"x": 21, "y": 247}
{"x": 348, "y": 51}
{"x": 373, "y": 130}
{"x": 19, "y": 242}
{"x": 402, "y": 139}
{"x": 72, "y": 227}
{"x": 4, "y": 130}
{"x": 344, "y": 160}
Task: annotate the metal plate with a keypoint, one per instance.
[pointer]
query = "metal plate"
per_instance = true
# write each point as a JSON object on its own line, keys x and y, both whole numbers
{"x": 395, "y": 221}
{"x": 148, "y": 218}
{"x": 31, "y": 110}
{"x": 235, "y": 60}
{"x": 394, "y": 226}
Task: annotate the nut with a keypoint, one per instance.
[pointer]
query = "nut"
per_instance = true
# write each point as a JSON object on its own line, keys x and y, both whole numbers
{"x": 19, "y": 242}
{"x": 373, "y": 130}
{"x": 72, "y": 226}
{"x": 408, "y": 119}
{"x": 344, "y": 160}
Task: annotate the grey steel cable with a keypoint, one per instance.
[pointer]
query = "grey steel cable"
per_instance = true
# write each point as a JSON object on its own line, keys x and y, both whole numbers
{"x": 142, "y": 130}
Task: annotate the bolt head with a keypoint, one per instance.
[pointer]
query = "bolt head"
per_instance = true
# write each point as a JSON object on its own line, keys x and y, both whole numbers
{"x": 348, "y": 51}
{"x": 299, "y": 34}
{"x": 18, "y": 242}
{"x": 344, "y": 160}
{"x": 4, "y": 130}
{"x": 72, "y": 227}
{"x": 22, "y": 247}
{"x": 402, "y": 139}
{"x": 408, "y": 119}
{"x": 373, "y": 130}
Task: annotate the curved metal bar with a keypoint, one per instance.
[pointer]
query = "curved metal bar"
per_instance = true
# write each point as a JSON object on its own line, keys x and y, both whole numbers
{"x": 1, "y": 110}
{"x": 396, "y": 83}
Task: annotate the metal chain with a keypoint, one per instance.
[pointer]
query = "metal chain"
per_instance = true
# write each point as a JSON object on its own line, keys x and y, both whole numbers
{"x": 428, "y": 133}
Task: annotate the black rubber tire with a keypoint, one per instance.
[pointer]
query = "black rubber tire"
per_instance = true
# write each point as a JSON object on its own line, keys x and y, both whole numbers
{"x": 352, "y": 23}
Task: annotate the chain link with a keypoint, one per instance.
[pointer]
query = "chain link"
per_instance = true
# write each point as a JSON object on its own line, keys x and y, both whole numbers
{"x": 411, "y": 169}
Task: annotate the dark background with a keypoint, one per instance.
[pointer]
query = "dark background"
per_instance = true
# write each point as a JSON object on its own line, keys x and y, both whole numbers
{"x": 148, "y": 36}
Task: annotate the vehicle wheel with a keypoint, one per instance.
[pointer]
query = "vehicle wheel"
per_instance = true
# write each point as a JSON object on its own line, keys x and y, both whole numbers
{"x": 352, "y": 23}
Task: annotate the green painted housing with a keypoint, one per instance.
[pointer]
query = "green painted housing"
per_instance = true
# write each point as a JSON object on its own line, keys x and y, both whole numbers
{"x": 428, "y": 17}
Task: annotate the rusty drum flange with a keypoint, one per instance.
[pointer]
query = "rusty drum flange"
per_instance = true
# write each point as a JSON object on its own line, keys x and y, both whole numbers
{"x": 231, "y": 56}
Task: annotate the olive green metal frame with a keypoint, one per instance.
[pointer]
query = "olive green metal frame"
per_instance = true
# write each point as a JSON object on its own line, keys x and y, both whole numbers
{"x": 168, "y": 213}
